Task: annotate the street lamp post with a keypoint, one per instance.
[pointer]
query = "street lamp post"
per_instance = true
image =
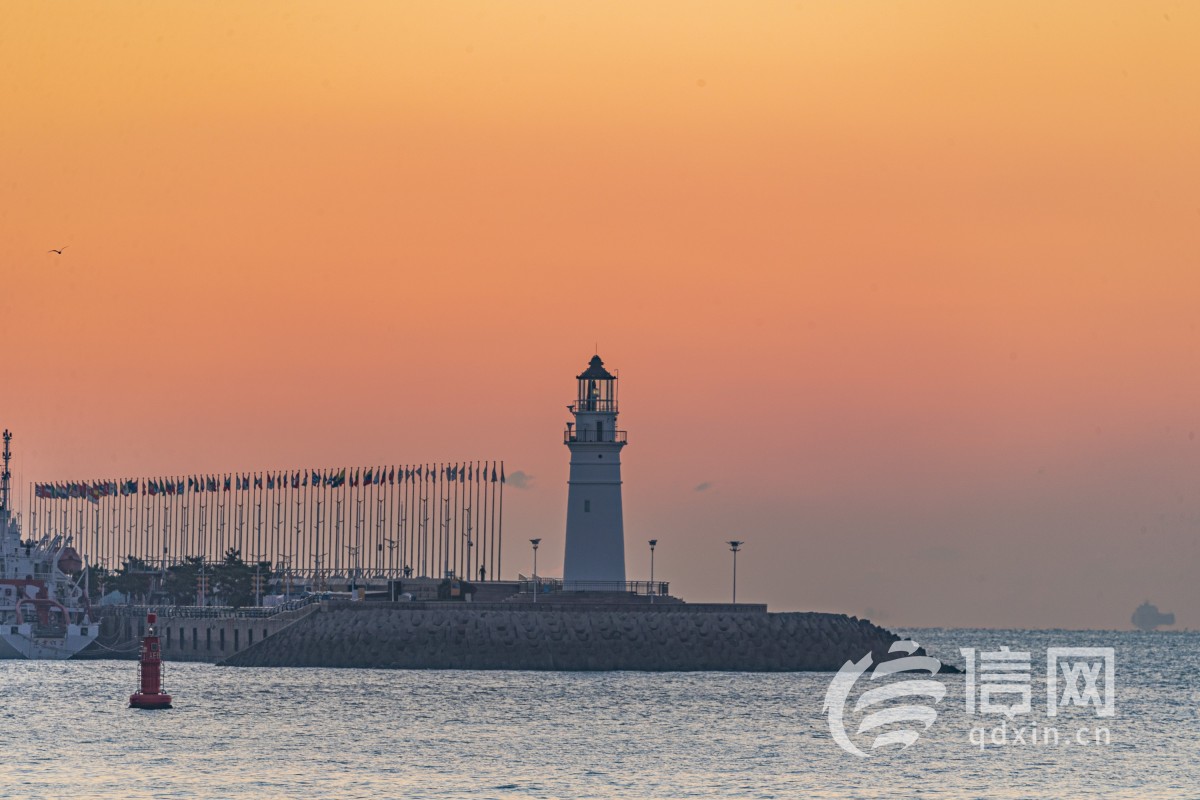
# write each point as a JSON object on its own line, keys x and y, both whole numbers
{"x": 258, "y": 562}
{"x": 354, "y": 567}
{"x": 653, "y": 544}
{"x": 734, "y": 546}
{"x": 535, "y": 543}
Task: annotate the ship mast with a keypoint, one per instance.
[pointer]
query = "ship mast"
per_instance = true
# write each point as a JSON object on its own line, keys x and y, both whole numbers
{"x": 5, "y": 474}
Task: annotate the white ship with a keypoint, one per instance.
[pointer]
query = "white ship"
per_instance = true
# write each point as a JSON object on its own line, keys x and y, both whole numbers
{"x": 43, "y": 606}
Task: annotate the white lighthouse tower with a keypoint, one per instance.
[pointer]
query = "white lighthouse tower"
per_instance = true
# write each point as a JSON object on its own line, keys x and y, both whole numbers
{"x": 595, "y": 551}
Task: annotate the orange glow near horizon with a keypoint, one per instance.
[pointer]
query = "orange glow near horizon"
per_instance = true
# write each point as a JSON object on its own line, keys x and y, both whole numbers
{"x": 911, "y": 287}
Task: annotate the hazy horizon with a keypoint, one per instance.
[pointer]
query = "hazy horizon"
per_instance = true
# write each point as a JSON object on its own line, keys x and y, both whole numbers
{"x": 903, "y": 296}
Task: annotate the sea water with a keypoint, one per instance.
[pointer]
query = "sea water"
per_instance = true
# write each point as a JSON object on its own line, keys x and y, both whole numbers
{"x": 327, "y": 733}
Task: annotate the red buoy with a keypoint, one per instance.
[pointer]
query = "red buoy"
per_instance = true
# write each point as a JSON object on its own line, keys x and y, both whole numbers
{"x": 150, "y": 695}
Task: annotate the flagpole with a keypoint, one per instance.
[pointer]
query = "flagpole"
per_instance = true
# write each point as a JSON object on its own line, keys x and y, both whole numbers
{"x": 201, "y": 519}
{"x": 500, "y": 530}
{"x": 407, "y": 558}
{"x": 136, "y": 533}
{"x": 410, "y": 520}
{"x": 339, "y": 499}
{"x": 464, "y": 527}
{"x": 427, "y": 544}
{"x": 319, "y": 584}
{"x": 415, "y": 529}
{"x": 123, "y": 532}
{"x": 289, "y": 529}
{"x": 147, "y": 525}
{"x": 487, "y": 530}
{"x": 389, "y": 496}
{"x": 371, "y": 514}
{"x": 258, "y": 518}
{"x": 482, "y": 525}
{"x": 322, "y": 490}
{"x": 359, "y": 533}
{"x": 453, "y": 534}
{"x": 306, "y": 535}
{"x": 422, "y": 510}
{"x": 439, "y": 522}
{"x": 277, "y": 545}
{"x": 460, "y": 543}
{"x": 406, "y": 536}
{"x": 423, "y": 521}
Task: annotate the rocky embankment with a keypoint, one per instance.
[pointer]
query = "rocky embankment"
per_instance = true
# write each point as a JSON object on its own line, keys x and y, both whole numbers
{"x": 499, "y": 636}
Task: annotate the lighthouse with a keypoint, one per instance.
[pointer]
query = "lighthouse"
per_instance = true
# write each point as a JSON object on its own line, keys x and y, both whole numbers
{"x": 595, "y": 547}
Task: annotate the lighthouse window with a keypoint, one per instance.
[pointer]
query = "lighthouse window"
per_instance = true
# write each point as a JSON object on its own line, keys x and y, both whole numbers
{"x": 587, "y": 505}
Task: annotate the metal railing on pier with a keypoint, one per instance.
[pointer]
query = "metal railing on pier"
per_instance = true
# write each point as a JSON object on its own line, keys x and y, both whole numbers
{"x": 218, "y": 612}
{"x": 585, "y": 435}
{"x": 554, "y": 586}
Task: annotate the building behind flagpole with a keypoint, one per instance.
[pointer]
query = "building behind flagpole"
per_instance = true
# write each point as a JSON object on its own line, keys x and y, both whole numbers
{"x": 595, "y": 541}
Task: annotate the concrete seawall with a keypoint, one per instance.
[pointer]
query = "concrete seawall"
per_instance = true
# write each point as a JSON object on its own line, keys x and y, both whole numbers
{"x": 548, "y": 637}
{"x": 210, "y": 637}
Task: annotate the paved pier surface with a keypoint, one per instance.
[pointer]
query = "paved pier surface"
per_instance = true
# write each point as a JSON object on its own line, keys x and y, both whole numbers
{"x": 679, "y": 637}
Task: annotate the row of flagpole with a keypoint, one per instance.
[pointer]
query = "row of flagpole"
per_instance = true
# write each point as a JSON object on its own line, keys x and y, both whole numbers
{"x": 424, "y": 520}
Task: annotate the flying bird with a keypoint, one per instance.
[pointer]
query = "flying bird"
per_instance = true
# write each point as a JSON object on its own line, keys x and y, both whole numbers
{"x": 59, "y": 250}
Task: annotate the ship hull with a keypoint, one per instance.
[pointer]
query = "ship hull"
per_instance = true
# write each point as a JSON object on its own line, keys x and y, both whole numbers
{"x": 23, "y": 642}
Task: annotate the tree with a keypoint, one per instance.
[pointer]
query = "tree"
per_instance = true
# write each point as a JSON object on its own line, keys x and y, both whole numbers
{"x": 133, "y": 578}
{"x": 233, "y": 580}
{"x": 181, "y": 584}
{"x": 99, "y": 581}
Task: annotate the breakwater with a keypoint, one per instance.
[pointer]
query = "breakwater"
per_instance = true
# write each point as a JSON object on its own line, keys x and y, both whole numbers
{"x": 191, "y": 634}
{"x": 680, "y": 637}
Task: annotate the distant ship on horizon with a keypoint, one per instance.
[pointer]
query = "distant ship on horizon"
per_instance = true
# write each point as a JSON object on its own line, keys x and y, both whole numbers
{"x": 1147, "y": 617}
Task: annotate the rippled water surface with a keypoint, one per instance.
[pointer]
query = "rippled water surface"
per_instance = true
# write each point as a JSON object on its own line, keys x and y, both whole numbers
{"x": 256, "y": 733}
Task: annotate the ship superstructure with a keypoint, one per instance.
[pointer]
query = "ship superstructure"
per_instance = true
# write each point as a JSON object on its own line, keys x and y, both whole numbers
{"x": 43, "y": 604}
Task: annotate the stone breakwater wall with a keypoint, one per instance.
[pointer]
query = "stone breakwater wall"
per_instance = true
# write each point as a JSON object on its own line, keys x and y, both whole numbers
{"x": 501, "y": 636}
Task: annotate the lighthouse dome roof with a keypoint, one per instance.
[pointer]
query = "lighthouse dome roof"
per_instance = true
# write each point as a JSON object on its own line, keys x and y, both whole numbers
{"x": 595, "y": 370}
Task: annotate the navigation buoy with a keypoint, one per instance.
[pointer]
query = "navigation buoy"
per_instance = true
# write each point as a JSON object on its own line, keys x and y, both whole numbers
{"x": 150, "y": 695}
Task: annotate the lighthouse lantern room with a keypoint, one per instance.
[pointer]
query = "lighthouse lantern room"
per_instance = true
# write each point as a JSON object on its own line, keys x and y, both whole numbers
{"x": 595, "y": 543}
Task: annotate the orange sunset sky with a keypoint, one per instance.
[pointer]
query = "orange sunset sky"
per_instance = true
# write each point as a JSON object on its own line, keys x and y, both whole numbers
{"x": 904, "y": 294}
